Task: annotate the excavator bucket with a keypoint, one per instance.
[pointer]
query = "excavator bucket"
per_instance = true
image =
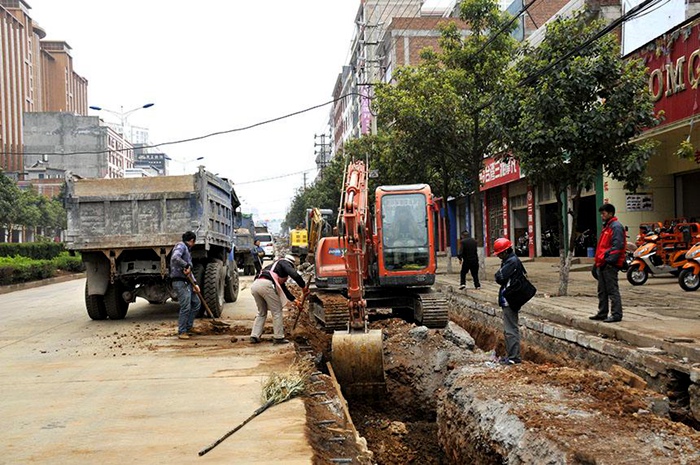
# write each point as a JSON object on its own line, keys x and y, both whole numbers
{"x": 358, "y": 362}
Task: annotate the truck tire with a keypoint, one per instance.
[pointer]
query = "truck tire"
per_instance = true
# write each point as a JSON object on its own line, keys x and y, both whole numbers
{"x": 115, "y": 305}
{"x": 231, "y": 288}
{"x": 95, "y": 305}
{"x": 214, "y": 284}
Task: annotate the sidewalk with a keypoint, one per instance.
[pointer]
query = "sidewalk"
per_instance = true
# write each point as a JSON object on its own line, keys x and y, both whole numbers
{"x": 659, "y": 317}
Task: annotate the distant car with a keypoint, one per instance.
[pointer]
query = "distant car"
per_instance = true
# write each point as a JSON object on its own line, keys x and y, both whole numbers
{"x": 267, "y": 244}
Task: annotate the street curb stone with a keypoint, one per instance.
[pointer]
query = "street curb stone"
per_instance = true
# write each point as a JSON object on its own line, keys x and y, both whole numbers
{"x": 42, "y": 282}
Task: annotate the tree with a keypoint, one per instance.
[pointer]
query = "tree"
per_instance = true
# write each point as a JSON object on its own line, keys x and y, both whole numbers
{"x": 438, "y": 112}
{"x": 570, "y": 117}
{"x": 9, "y": 199}
{"x": 324, "y": 192}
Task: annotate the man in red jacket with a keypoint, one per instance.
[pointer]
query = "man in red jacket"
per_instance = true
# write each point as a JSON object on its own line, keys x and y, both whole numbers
{"x": 609, "y": 258}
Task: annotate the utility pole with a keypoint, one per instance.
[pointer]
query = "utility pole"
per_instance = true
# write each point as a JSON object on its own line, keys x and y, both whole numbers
{"x": 323, "y": 154}
{"x": 304, "y": 180}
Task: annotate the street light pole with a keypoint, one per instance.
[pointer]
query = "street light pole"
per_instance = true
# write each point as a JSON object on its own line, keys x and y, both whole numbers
{"x": 184, "y": 162}
{"x": 123, "y": 115}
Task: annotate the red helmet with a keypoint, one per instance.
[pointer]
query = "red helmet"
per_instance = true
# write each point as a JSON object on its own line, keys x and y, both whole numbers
{"x": 501, "y": 245}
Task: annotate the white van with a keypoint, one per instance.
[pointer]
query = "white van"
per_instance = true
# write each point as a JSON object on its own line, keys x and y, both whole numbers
{"x": 267, "y": 244}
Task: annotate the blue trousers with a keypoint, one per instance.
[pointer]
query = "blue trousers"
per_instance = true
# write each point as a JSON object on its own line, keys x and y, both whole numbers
{"x": 189, "y": 305}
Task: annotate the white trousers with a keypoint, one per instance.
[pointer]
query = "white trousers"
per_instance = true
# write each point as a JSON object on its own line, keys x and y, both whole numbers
{"x": 267, "y": 298}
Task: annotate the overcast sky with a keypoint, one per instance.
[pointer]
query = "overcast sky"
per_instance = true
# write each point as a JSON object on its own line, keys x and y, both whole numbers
{"x": 215, "y": 66}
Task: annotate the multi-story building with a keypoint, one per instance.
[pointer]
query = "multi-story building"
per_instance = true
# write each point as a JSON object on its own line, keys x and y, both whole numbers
{"x": 78, "y": 144}
{"x": 351, "y": 115}
{"x": 35, "y": 76}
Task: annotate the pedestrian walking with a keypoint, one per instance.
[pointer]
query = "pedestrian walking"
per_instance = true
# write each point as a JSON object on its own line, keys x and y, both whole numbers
{"x": 511, "y": 268}
{"x": 469, "y": 260}
{"x": 270, "y": 293}
{"x": 609, "y": 260}
{"x": 258, "y": 254}
{"x": 180, "y": 270}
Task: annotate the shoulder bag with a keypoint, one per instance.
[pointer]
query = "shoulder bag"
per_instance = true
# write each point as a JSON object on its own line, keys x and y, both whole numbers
{"x": 519, "y": 291}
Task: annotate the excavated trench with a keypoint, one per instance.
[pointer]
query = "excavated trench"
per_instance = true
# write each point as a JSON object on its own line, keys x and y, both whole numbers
{"x": 449, "y": 401}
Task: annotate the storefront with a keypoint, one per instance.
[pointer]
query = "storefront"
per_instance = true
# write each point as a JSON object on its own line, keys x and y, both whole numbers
{"x": 503, "y": 189}
{"x": 673, "y": 64}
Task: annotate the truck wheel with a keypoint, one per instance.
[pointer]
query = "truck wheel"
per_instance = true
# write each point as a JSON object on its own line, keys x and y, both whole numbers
{"x": 249, "y": 270}
{"x": 114, "y": 303}
{"x": 214, "y": 284}
{"x": 231, "y": 287}
{"x": 95, "y": 305}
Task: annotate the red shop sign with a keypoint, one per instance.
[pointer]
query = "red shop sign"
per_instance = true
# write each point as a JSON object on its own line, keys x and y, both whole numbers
{"x": 496, "y": 173}
{"x": 673, "y": 65}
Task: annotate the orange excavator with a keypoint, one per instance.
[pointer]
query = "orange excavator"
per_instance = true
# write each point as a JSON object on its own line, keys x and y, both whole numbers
{"x": 386, "y": 261}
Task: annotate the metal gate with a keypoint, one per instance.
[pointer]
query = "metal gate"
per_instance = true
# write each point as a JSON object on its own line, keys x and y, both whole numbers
{"x": 494, "y": 200}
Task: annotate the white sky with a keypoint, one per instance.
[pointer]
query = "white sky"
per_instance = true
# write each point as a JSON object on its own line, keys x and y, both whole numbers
{"x": 225, "y": 65}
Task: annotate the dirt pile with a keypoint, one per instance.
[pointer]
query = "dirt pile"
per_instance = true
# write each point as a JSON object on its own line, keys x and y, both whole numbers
{"x": 447, "y": 402}
{"x": 545, "y": 414}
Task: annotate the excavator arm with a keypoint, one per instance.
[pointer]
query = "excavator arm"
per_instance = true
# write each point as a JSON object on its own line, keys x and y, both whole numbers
{"x": 354, "y": 216}
{"x": 358, "y": 359}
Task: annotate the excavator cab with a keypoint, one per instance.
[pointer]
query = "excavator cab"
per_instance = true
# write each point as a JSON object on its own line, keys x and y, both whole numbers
{"x": 405, "y": 242}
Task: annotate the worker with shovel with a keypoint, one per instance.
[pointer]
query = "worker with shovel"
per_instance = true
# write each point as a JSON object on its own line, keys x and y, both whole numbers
{"x": 180, "y": 271}
{"x": 270, "y": 293}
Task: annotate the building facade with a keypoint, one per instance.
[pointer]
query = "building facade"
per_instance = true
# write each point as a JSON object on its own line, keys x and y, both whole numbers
{"x": 35, "y": 76}
{"x": 78, "y": 144}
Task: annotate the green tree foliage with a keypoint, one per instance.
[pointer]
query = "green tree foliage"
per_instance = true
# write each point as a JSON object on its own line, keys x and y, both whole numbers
{"x": 567, "y": 123}
{"x": 25, "y": 207}
{"x": 324, "y": 192}
{"x": 328, "y": 187}
{"x": 438, "y": 112}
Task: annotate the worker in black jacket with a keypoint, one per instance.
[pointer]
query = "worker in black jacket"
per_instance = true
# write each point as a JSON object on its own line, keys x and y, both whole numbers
{"x": 271, "y": 293}
{"x": 469, "y": 259}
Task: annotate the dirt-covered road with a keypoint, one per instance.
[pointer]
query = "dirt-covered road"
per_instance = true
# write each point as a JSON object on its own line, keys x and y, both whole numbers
{"x": 82, "y": 391}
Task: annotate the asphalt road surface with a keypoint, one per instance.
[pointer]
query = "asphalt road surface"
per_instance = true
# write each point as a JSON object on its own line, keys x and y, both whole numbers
{"x": 81, "y": 391}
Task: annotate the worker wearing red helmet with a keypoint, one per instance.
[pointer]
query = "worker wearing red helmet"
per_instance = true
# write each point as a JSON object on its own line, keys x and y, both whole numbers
{"x": 510, "y": 266}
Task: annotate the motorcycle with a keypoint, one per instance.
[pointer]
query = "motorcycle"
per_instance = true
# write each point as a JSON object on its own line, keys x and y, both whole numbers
{"x": 689, "y": 278}
{"x": 584, "y": 241}
{"x": 550, "y": 243}
{"x": 522, "y": 246}
{"x": 649, "y": 259}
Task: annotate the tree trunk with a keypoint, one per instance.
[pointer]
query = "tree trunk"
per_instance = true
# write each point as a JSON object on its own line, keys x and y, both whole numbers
{"x": 567, "y": 258}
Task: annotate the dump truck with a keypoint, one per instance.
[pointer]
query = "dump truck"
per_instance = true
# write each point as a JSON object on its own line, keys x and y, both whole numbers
{"x": 126, "y": 228}
{"x": 244, "y": 238}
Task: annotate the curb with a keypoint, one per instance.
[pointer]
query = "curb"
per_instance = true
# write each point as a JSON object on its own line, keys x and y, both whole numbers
{"x": 43, "y": 282}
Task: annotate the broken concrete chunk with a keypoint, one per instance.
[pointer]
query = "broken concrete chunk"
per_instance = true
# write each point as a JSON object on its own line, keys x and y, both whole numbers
{"x": 627, "y": 377}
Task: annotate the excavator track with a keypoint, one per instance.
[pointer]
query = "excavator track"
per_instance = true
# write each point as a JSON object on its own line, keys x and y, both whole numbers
{"x": 431, "y": 310}
{"x": 331, "y": 310}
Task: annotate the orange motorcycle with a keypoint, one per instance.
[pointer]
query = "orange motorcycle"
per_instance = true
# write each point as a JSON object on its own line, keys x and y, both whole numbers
{"x": 660, "y": 254}
{"x": 689, "y": 279}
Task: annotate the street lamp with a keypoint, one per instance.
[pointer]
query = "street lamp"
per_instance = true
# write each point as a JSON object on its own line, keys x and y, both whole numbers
{"x": 123, "y": 115}
{"x": 184, "y": 162}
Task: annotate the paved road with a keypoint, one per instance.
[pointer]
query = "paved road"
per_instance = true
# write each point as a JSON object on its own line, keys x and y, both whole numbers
{"x": 82, "y": 391}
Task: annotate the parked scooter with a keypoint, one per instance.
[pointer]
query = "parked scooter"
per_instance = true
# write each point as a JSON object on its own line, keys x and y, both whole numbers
{"x": 522, "y": 246}
{"x": 689, "y": 279}
{"x": 649, "y": 259}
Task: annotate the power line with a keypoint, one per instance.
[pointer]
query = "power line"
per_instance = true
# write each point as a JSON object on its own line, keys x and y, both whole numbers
{"x": 192, "y": 139}
{"x": 274, "y": 177}
{"x": 614, "y": 24}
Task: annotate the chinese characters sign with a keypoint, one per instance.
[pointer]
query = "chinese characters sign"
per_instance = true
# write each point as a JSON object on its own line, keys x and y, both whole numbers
{"x": 496, "y": 173}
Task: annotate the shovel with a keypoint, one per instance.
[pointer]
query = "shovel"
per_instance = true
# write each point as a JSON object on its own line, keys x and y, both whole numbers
{"x": 207, "y": 310}
{"x": 301, "y": 307}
